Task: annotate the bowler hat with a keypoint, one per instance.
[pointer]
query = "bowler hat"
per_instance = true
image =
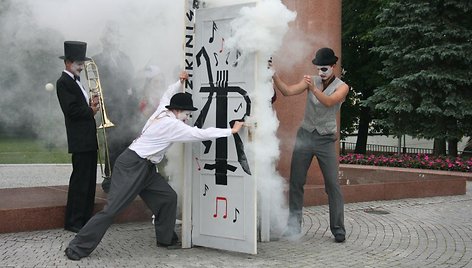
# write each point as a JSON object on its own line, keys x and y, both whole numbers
{"x": 324, "y": 56}
{"x": 74, "y": 51}
{"x": 181, "y": 101}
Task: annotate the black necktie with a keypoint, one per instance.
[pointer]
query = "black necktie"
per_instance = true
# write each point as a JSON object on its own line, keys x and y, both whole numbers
{"x": 77, "y": 78}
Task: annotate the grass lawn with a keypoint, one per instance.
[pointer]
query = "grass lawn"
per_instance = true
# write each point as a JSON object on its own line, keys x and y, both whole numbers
{"x": 30, "y": 151}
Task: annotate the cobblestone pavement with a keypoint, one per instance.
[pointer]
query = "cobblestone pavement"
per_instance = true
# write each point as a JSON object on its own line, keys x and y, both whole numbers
{"x": 426, "y": 232}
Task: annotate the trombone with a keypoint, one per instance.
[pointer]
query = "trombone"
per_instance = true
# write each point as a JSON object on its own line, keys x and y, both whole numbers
{"x": 93, "y": 80}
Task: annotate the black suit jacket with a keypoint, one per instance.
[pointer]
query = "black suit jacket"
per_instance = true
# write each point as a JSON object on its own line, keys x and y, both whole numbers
{"x": 79, "y": 119}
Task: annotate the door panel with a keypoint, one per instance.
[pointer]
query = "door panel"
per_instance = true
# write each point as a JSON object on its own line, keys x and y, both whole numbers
{"x": 224, "y": 191}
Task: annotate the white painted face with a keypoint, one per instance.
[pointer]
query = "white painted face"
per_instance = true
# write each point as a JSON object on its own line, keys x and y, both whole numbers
{"x": 77, "y": 67}
{"x": 325, "y": 71}
{"x": 184, "y": 116}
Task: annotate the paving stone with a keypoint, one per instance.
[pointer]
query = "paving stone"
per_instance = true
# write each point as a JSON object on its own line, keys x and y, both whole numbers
{"x": 427, "y": 232}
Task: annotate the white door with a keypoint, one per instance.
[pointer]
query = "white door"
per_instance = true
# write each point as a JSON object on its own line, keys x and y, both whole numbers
{"x": 224, "y": 209}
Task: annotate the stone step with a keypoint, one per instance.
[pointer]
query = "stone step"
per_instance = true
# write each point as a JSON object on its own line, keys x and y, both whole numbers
{"x": 39, "y": 208}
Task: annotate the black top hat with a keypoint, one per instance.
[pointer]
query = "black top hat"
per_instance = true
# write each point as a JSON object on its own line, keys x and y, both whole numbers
{"x": 181, "y": 101}
{"x": 324, "y": 56}
{"x": 74, "y": 51}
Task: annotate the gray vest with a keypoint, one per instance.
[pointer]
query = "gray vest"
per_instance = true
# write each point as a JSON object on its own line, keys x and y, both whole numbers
{"x": 317, "y": 116}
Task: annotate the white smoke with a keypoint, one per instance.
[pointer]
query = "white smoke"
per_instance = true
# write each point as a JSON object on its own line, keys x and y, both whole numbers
{"x": 297, "y": 48}
{"x": 32, "y": 34}
{"x": 260, "y": 30}
{"x": 151, "y": 30}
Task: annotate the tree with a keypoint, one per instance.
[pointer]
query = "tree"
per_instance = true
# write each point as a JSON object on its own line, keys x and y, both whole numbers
{"x": 425, "y": 48}
{"x": 361, "y": 65}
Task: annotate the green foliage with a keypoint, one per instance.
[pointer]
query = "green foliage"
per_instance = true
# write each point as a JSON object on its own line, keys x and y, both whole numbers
{"x": 359, "y": 63}
{"x": 425, "y": 48}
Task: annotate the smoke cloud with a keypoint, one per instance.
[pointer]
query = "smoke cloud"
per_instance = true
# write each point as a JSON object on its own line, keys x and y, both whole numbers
{"x": 260, "y": 29}
{"x": 32, "y": 35}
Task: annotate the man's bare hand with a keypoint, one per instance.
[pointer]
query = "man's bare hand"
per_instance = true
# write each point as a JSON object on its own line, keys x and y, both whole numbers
{"x": 94, "y": 104}
{"x": 183, "y": 76}
{"x": 237, "y": 126}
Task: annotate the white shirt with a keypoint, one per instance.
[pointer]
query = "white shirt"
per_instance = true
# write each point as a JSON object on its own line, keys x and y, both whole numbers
{"x": 163, "y": 129}
{"x": 80, "y": 85}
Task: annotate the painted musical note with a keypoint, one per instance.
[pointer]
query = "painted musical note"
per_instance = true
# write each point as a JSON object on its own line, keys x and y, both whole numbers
{"x": 237, "y": 109}
{"x": 238, "y": 54}
{"x": 227, "y": 56}
{"x": 222, "y": 44}
{"x": 236, "y": 212}
{"x": 206, "y": 189}
{"x": 198, "y": 164}
{"x": 216, "y": 58}
{"x": 219, "y": 198}
{"x": 214, "y": 28}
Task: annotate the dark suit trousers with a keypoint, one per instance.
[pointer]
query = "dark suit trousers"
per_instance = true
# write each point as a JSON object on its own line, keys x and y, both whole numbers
{"x": 82, "y": 184}
{"x": 132, "y": 176}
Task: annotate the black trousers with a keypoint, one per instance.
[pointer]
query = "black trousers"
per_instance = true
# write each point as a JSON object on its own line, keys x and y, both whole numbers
{"x": 81, "y": 194}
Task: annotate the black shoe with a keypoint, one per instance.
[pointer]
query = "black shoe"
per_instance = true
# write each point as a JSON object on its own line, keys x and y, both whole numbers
{"x": 72, "y": 229}
{"x": 72, "y": 255}
{"x": 173, "y": 245}
{"x": 339, "y": 238}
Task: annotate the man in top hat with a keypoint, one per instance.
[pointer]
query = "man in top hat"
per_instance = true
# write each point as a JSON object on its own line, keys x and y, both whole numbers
{"x": 79, "y": 110}
{"x": 135, "y": 172}
{"x": 316, "y": 137}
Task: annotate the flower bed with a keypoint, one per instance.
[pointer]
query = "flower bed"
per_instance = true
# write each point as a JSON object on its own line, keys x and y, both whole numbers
{"x": 422, "y": 161}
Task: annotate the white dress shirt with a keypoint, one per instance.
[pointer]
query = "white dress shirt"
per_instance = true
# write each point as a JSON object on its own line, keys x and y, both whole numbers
{"x": 163, "y": 129}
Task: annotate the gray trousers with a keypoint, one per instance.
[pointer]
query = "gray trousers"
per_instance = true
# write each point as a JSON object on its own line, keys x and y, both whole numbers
{"x": 132, "y": 176}
{"x": 307, "y": 145}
